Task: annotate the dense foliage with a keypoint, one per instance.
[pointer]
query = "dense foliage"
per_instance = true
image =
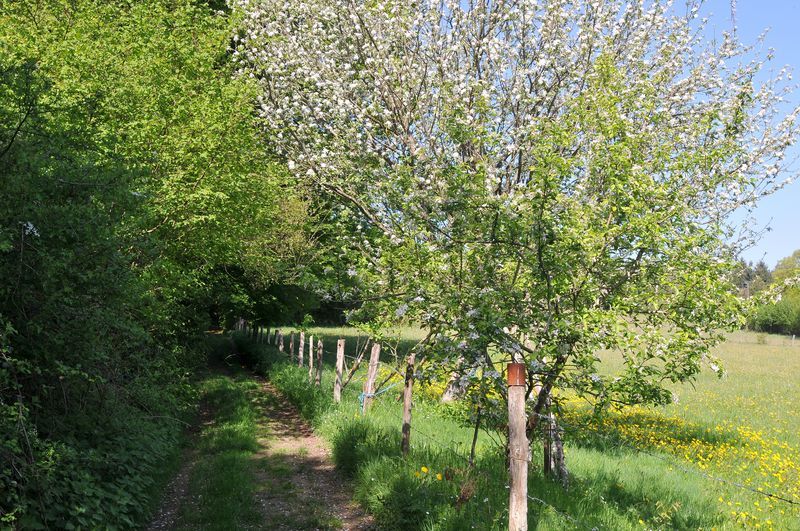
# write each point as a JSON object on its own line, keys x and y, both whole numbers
{"x": 137, "y": 205}
{"x": 781, "y": 315}
{"x": 531, "y": 180}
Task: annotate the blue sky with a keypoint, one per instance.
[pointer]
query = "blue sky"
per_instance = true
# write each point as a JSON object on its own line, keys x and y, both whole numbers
{"x": 782, "y": 210}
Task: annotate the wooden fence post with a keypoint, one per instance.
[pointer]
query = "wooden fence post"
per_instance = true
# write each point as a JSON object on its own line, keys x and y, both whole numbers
{"x": 275, "y": 338}
{"x": 301, "y": 349}
{"x": 291, "y": 346}
{"x": 337, "y": 383}
{"x": 372, "y": 373}
{"x": 318, "y": 379}
{"x": 405, "y": 442}
{"x": 267, "y": 336}
{"x": 517, "y": 449}
{"x": 310, "y": 359}
{"x": 280, "y": 340}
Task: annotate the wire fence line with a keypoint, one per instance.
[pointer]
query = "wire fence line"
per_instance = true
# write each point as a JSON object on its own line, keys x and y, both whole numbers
{"x": 621, "y": 443}
{"x": 615, "y": 441}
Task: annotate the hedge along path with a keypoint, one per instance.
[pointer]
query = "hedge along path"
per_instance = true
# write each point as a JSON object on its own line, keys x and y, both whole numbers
{"x": 307, "y": 492}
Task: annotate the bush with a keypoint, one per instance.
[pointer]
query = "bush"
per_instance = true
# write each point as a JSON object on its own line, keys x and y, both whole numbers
{"x": 782, "y": 317}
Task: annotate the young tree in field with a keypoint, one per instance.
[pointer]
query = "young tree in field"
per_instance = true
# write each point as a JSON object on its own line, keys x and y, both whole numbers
{"x": 543, "y": 179}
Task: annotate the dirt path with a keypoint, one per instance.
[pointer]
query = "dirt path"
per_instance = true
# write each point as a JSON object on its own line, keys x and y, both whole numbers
{"x": 302, "y": 489}
{"x": 298, "y": 487}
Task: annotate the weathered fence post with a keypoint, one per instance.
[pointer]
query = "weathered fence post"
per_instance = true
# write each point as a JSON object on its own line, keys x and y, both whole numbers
{"x": 291, "y": 346}
{"x": 372, "y": 373}
{"x": 517, "y": 449}
{"x": 310, "y": 359}
{"x": 267, "y": 336}
{"x": 280, "y": 341}
{"x": 275, "y": 338}
{"x": 405, "y": 442}
{"x": 301, "y": 349}
{"x": 318, "y": 379}
{"x": 337, "y": 383}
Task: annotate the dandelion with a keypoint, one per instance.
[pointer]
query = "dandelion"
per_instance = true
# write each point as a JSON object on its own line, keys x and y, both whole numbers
{"x": 424, "y": 469}
{"x": 438, "y": 477}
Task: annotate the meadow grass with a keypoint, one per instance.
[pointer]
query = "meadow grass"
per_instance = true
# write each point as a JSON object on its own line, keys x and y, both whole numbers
{"x": 638, "y": 468}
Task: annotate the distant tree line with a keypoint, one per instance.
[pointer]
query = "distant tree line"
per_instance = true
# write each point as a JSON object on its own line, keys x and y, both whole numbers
{"x": 782, "y": 316}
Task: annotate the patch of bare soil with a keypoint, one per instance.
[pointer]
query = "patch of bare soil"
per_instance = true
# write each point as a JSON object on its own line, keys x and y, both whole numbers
{"x": 301, "y": 488}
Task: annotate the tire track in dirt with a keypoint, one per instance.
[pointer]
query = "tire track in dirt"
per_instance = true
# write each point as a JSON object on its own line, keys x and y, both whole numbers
{"x": 302, "y": 488}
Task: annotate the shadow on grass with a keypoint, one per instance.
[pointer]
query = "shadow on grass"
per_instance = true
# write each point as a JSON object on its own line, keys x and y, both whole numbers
{"x": 603, "y": 496}
{"x": 284, "y": 504}
{"x": 434, "y": 489}
{"x": 221, "y": 484}
{"x": 358, "y": 441}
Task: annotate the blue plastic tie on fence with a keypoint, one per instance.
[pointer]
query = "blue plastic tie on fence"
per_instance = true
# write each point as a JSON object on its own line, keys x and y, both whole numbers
{"x": 363, "y": 395}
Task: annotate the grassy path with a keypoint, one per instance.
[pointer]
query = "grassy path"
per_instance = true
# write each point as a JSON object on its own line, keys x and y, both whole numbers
{"x": 253, "y": 463}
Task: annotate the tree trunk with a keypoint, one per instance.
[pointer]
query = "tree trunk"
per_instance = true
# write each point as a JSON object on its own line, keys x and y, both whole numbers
{"x": 554, "y": 464}
{"x": 475, "y": 437}
{"x": 405, "y": 443}
{"x": 454, "y": 387}
{"x": 318, "y": 377}
{"x": 337, "y": 384}
{"x": 301, "y": 349}
{"x": 372, "y": 373}
{"x": 310, "y": 359}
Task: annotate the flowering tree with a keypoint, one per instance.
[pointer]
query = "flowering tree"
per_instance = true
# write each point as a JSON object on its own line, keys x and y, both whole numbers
{"x": 539, "y": 178}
